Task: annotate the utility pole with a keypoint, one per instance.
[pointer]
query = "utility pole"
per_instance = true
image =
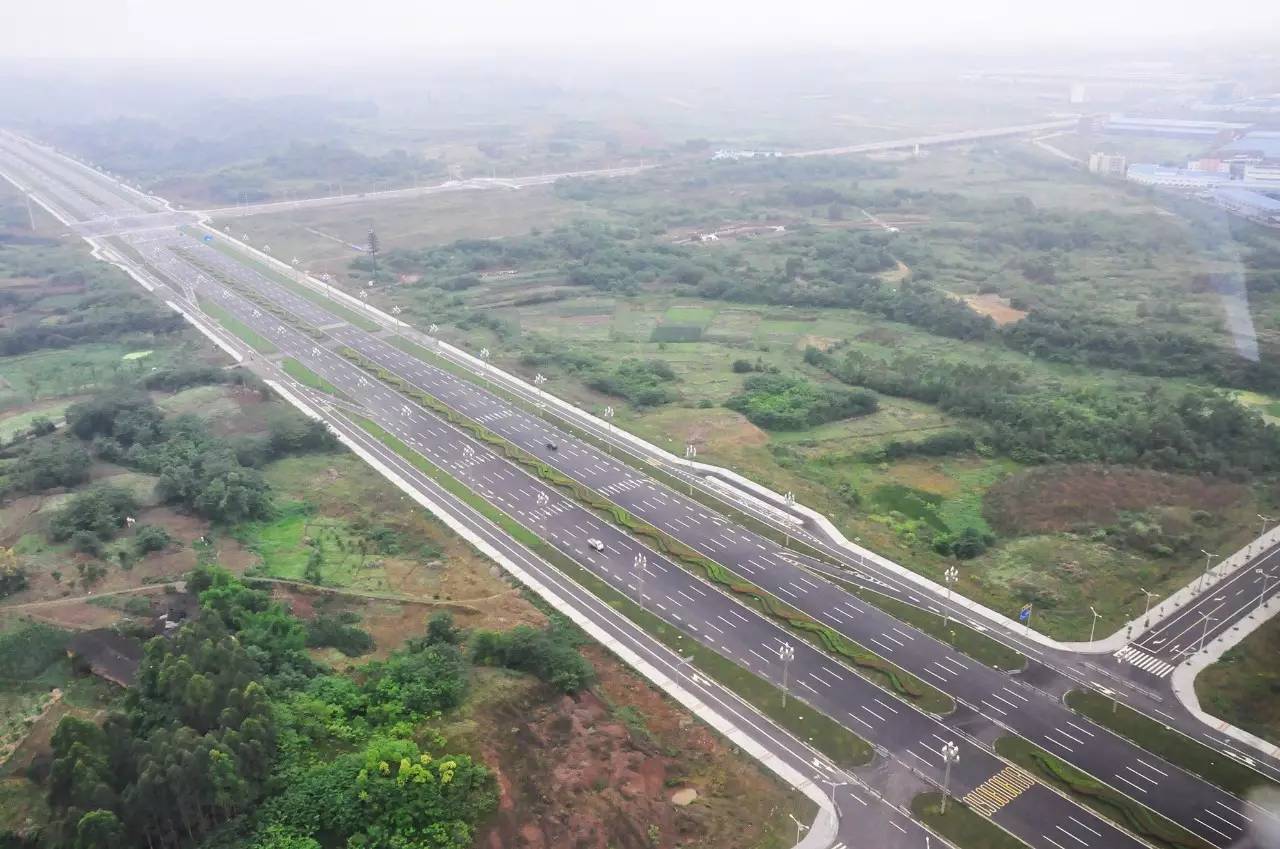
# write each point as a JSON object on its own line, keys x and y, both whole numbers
{"x": 1094, "y": 626}
{"x": 1208, "y": 558}
{"x": 538, "y": 380}
{"x": 949, "y": 577}
{"x": 1146, "y": 620}
{"x": 786, "y": 653}
{"x": 950, "y": 754}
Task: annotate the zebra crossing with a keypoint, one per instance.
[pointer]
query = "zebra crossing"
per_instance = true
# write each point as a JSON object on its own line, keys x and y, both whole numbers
{"x": 1144, "y": 661}
{"x": 998, "y": 791}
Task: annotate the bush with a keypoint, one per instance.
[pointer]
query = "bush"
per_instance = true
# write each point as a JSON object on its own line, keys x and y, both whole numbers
{"x": 148, "y": 538}
{"x": 332, "y": 631}
{"x": 98, "y": 512}
{"x": 549, "y": 654}
{"x": 781, "y": 402}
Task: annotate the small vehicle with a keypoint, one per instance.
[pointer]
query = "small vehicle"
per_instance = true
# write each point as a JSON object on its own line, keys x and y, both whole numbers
{"x": 596, "y": 544}
{"x": 553, "y": 446}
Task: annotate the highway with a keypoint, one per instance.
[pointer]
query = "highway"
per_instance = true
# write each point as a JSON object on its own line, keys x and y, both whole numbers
{"x": 991, "y": 701}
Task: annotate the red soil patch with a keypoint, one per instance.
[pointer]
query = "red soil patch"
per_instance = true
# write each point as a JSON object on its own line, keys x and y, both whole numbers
{"x": 1070, "y": 497}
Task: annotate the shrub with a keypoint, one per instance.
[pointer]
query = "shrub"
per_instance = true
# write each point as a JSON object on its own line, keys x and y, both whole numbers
{"x": 148, "y": 538}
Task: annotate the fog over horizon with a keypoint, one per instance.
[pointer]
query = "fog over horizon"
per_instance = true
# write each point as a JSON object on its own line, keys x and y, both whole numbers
{"x": 399, "y": 31}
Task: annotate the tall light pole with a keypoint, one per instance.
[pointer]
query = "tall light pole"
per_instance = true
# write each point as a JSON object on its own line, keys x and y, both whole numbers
{"x": 786, "y": 653}
{"x": 538, "y": 380}
{"x": 1146, "y": 621}
{"x": 641, "y": 565}
{"x": 1094, "y": 626}
{"x": 690, "y": 451}
{"x": 950, "y": 754}
{"x": 1208, "y": 558}
{"x": 468, "y": 452}
{"x": 949, "y": 577}
{"x": 484, "y": 355}
{"x": 1261, "y": 534}
{"x": 789, "y": 498}
{"x": 1204, "y": 632}
{"x": 543, "y": 499}
{"x": 833, "y": 783}
{"x": 1266, "y": 582}
{"x": 800, "y": 827}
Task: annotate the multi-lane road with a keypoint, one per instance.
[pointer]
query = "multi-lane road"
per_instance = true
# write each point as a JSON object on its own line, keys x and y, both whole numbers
{"x": 990, "y": 702}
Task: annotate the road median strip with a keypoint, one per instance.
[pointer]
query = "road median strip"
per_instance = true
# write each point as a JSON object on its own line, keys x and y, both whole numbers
{"x": 237, "y": 328}
{"x": 870, "y": 665}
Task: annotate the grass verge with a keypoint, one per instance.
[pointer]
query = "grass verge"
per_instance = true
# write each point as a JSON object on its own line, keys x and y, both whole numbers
{"x": 307, "y": 377}
{"x": 233, "y": 325}
{"x": 823, "y": 733}
{"x": 300, "y": 289}
{"x": 871, "y": 666}
{"x": 962, "y": 826}
{"x": 1105, "y": 800}
{"x": 1176, "y": 748}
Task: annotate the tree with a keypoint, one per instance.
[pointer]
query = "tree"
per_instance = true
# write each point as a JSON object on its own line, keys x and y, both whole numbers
{"x": 373, "y": 251}
{"x": 13, "y": 577}
{"x": 311, "y": 573}
{"x": 99, "y": 830}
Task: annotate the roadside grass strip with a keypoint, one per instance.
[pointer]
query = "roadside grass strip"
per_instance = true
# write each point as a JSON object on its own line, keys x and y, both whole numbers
{"x": 1176, "y": 748}
{"x": 962, "y": 826}
{"x": 825, "y": 734}
{"x": 235, "y": 326}
{"x": 1102, "y": 798}
{"x": 873, "y": 667}
{"x": 307, "y": 377}
{"x": 300, "y": 289}
{"x": 959, "y": 636}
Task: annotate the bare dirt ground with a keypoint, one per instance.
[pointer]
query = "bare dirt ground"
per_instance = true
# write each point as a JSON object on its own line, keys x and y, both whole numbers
{"x": 995, "y": 306}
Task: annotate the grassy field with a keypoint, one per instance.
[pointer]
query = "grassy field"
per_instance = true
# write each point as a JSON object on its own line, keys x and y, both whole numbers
{"x": 1242, "y": 686}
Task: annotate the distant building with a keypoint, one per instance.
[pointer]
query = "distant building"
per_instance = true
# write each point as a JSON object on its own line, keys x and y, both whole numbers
{"x": 1249, "y": 204}
{"x": 1207, "y": 131}
{"x": 1174, "y": 178}
{"x": 1107, "y": 164}
{"x": 1263, "y": 173}
{"x": 1214, "y": 166}
{"x": 1257, "y": 146}
{"x": 745, "y": 154}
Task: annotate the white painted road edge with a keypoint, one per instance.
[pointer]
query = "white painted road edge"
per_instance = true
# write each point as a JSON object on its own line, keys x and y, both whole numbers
{"x": 1184, "y": 677}
{"x": 823, "y": 831}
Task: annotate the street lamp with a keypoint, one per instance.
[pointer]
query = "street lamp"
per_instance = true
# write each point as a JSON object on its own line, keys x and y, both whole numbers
{"x": 786, "y": 653}
{"x": 1204, "y": 632}
{"x": 484, "y": 355}
{"x": 543, "y": 499}
{"x": 800, "y": 827}
{"x": 1263, "y": 533}
{"x": 1208, "y": 558}
{"x": 640, "y": 564}
{"x": 949, "y": 577}
{"x": 1266, "y": 581}
{"x": 538, "y": 380}
{"x": 833, "y": 783}
{"x": 950, "y": 754}
{"x": 788, "y": 498}
{"x": 690, "y": 451}
{"x": 1146, "y": 622}
{"x": 468, "y": 452}
{"x": 1094, "y": 626}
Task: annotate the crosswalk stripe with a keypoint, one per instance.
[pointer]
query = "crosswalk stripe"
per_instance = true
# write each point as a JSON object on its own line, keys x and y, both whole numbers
{"x": 998, "y": 791}
{"x": 1144, "y": 661}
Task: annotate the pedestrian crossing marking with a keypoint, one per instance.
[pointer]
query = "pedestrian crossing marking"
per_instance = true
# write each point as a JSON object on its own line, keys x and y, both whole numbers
{"x": 998, "y": 790}
{"x": 1144, "y": 661}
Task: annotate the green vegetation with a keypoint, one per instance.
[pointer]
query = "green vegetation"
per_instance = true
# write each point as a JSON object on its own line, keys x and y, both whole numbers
{"x": 550, "y": 654}
{"x": 824, "y": 733}
{"x": 230, "y": 722}
{"x": 1102, "y": 798}
{"x": 30, "y": 649}
{"x": 643, "y": 383}
{"x": 1178, "y": 749}
{"x": 92, "y": 517}
{"x": 238, "y": 328}
{"x": 339, "y": 632}
{"x": 1196, "y": 431}
{"x": 307, "y": 377}
{"x": 960, "y": 825}
{"x": 778, "y": 402}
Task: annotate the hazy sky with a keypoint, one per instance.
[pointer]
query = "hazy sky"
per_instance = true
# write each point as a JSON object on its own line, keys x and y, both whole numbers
{"x": 163, "y": 29}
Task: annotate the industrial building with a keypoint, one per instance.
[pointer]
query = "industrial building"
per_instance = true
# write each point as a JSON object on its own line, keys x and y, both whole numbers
{"x": 1107, "y": 164}
{"x": 1207, "y": 131}
{"x": 1147, "y": 174}
{"x": 1249, "y": 204}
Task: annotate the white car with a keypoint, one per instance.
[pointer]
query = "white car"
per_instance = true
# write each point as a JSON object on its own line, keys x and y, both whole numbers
{"x": 596, "y": 544}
